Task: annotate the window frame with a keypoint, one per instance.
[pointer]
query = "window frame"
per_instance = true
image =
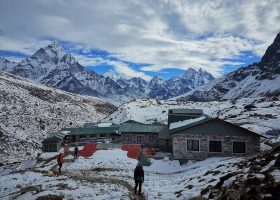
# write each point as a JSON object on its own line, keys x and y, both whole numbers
{"x": 245, "y": 145}
{"x": 192, "y": 145}
{"x": 215, "y": 141}
{"x": 140, "y": 136}
{"x": 128, "y": 138}
{"x": 167, "y": 142}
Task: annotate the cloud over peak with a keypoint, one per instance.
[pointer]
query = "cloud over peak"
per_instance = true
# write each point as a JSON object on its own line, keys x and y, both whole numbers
{"x": 177, "y": 34}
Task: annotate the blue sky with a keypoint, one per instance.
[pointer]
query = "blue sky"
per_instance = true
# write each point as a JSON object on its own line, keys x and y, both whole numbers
{"x": 143, "y": 38}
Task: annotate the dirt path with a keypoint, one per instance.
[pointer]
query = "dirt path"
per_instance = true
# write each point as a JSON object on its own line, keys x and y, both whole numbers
{"x": 83, "y": 175}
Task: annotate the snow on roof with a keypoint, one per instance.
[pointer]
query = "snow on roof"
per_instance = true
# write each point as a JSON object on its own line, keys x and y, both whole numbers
{"x": 104, "y": 124}
{"x": 185, "y": 122}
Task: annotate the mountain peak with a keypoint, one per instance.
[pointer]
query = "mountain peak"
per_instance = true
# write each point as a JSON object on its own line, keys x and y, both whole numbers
{"x": 52, "y": 51}
{"x": 189, "y": 73}
{"x": 112, "y": 75}
{"x": 271, "y": 59}
{"x": 272, "y": 50}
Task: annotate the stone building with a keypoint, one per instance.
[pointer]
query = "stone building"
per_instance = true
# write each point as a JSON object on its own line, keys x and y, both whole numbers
{"x": 133, "y": 132}
{"x": 203, "y": 137}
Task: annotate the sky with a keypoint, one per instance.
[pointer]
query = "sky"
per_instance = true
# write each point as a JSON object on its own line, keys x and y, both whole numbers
{"x": 143, "y": 38}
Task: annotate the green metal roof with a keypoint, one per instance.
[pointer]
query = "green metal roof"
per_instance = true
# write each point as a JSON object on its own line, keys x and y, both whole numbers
{"x": 55, "y": 137}
{"x": 176, "y": 115}
{"x": 206, "y": 119}
{"x": 139, "y": 128}
{"x": 91, "y": 131}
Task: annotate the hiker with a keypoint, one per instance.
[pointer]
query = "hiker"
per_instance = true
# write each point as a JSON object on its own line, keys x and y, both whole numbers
{"x": 60, "y": 161}
{"x": 138, "y": 177}
{"x": 76, "y": 150}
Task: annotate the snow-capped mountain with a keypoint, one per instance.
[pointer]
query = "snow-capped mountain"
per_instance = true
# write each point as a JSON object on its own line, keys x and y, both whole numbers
{"x": 112, "y": 75}
{"x": 191, "y": 79}
{"x": 258, "y": 79}
{"x": 54, "y": 67}
{"x": 159, "y": 88}
{"x": 7, "y": 65}
{"x": 30, "y": 111}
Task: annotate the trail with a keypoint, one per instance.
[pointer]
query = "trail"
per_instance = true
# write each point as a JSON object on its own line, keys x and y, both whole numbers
{"x": 83, "y": 175}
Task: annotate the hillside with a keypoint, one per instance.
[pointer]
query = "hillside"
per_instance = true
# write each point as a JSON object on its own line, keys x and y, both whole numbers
{"x": 30, "y": 111}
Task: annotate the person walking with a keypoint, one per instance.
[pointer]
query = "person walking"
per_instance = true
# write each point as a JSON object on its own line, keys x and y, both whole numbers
{"x": 60, "y": 161}
{"x": 76, "y": 150}
{"x": 138, "y": 178}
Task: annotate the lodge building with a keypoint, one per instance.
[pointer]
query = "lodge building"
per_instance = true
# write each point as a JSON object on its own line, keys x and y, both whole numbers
{"x": 188, "y": 135}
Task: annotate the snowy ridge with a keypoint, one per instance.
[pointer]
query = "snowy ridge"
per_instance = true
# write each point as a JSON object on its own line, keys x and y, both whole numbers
{"x": 30, "y": 111}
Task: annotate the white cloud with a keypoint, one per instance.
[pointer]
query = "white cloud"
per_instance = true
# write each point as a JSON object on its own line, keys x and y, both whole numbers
{"x": 164, "y": 33}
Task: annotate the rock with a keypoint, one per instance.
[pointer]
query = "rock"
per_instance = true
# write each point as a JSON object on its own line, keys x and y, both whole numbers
{"x": 50, "y": 173}
{"x": 206, "y": 190}
{"x": 50, "y": 197}
{"x": 36, "y": 188}
{"x": 18, "y": 186}
{"x": 255, "y": 168}
{"x": 253, "y": 180}
{"x": 226, "y": 177}
{"x": 277, "y": 162}
{"x": 189, "y": 187}
{"x": 273, "y": 189}
{"x": 268, "y": 178}
{"x": 249, "y": 107}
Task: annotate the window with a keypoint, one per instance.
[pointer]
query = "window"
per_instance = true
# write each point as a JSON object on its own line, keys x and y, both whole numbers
{"x": 151, "y": 137}
{"x": 215, "y": 146}
{"x": 140, "y": 138}
{"x": 50, "y": 147}
{"x": 239, "y": 147}
{"x": 128, "y": 138}
{"x": 193, "y": 145}
{"x": 167, "y": 142}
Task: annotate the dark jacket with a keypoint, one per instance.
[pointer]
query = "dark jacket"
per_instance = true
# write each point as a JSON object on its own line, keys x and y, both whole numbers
{"x": 139, "y": 173}
{"x": 76, "y": 150}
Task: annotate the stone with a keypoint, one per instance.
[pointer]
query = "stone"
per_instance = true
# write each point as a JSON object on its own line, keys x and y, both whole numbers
{"x": 36, "y": 188}
{"x": 50, "y": 197}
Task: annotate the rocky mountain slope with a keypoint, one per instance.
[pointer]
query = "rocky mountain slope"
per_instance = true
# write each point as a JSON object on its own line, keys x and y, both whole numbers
{"x": 262, "y": 118}
{"x": 258, "y": 79}
{"x": 6, "y": 65}
{"x": 54, "y": 67}
{"x": 30, "y": 111}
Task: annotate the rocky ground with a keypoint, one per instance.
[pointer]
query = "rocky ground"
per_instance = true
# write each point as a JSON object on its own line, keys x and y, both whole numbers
{"x": 259, "y": 178}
